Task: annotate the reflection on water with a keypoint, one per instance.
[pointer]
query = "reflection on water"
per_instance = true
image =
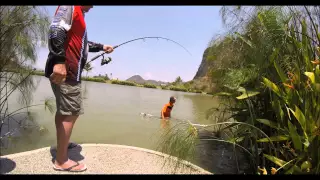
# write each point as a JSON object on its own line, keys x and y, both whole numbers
{"x": 112, "y": 116}
{"x": 221, "y": 157}
{"x": 19, "y": 130}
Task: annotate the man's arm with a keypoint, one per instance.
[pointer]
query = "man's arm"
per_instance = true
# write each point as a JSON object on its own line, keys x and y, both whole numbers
{"x": 95, "y": 47}
{"x": 162, "y": 112}
{"x": 59, "y": 27}
{"x": 162, "y": 115}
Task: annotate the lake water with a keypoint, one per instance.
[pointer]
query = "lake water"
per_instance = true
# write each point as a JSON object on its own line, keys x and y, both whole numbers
{"x": 112, "y": 116}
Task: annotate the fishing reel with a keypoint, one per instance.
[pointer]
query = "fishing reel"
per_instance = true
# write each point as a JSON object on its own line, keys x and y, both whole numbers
{"x": 105, "y": 60}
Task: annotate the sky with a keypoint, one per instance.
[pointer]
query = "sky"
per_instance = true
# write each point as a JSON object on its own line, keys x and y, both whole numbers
{"x": 191, "y": 26}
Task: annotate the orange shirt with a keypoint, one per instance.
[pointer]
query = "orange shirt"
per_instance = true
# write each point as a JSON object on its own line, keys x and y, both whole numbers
{"x": 167, "y": 110}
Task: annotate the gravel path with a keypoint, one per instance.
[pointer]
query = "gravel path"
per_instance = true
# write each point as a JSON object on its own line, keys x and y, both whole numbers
{"x": 100, "y": 159}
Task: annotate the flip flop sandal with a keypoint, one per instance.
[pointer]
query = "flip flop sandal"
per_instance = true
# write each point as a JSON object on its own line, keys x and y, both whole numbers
{"x": 72, "y": 145}
{"x": 70, "y": 168}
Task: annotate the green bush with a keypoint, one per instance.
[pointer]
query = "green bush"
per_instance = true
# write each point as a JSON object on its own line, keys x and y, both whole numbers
{"x": 39, "y": 73}
{"x": 180, "y": 88}
{"x": 175, "y": 88}
{"x": 127, "y": 83}
{"x": 164, "y": 87}
{"x": 149, "y": 86}
{"x": 196, "y": 91}
{"x": 275, "y": 88}
{"x": 93, "y": 79}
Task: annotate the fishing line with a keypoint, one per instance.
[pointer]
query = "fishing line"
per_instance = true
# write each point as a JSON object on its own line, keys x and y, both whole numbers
{"x": 158, "y": 117}
{"x": 109, "y": 59}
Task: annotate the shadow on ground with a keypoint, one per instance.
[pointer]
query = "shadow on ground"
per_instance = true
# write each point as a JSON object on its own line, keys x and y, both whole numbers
{"x": 73, "y": 152}
{"x": 6, "y": 165}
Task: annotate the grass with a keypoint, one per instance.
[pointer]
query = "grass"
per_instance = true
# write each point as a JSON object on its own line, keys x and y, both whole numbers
{"x": 268, "y": 76}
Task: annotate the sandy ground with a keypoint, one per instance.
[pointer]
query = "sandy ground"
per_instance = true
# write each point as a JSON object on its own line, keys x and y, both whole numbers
{"x": 100, "y": 159}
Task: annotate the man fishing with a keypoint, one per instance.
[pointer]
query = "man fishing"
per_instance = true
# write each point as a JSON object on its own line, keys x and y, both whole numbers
{"x": 167, "y": 108}
{"x": 68, "y": 51}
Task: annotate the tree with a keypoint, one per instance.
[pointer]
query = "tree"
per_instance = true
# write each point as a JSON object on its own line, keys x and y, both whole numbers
{"x": 87, "y": 68}
{"x": 106, "y": 77}
{"x": 23, "y": 28}
{"x": 177, "y": 81}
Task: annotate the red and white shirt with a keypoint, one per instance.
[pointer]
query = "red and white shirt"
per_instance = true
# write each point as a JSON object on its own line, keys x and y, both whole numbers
{"x": 68, "y": 42}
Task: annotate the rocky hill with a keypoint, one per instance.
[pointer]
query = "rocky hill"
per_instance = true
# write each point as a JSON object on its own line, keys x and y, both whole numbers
{"x": 136, "y": 79}
{"x": 200, "y": 80}
{"x": 139, "y": 80}
{"x": 203, "y": 68}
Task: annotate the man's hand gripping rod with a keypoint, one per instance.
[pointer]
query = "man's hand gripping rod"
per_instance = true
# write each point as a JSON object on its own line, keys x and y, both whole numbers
{"x": 103, "y": 61}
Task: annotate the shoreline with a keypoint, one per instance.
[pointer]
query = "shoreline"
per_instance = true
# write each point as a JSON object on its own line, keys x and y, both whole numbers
{"x": 129, "y": 83}
{"x": 170, "y": 87}
{"x": 100, "y": 159}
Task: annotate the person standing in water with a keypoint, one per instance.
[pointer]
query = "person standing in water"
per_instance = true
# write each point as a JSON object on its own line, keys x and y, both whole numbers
{"x": 167, "y": 108}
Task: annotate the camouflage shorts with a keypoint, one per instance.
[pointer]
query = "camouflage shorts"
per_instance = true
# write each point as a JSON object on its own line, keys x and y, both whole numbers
{"x": 68, "y": 98}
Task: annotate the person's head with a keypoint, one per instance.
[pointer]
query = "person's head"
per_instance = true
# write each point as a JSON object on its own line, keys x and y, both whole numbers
{"x": 172, "y": 100}
{"x": 86, "y": 8}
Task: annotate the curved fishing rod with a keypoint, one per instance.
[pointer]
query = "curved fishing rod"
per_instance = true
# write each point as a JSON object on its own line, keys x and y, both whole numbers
{"x": 106, "y": 61}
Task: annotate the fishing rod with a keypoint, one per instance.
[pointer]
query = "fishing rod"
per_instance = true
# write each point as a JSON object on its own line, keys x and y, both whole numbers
{"x": 109, "y": 59}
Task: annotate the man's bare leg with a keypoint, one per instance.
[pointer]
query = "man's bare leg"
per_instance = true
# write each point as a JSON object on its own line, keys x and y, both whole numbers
{"x": 64, "y": 126}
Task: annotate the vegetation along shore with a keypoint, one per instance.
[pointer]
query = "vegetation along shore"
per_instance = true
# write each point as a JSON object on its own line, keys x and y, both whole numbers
{"x": 264, "y": 69}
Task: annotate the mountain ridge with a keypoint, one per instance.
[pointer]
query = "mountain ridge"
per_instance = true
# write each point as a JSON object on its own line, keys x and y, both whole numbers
{"x": 139, "y": 80}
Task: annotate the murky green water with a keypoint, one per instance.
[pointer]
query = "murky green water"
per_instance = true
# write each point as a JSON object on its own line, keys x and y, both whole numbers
{"x": 112, "y": 115}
